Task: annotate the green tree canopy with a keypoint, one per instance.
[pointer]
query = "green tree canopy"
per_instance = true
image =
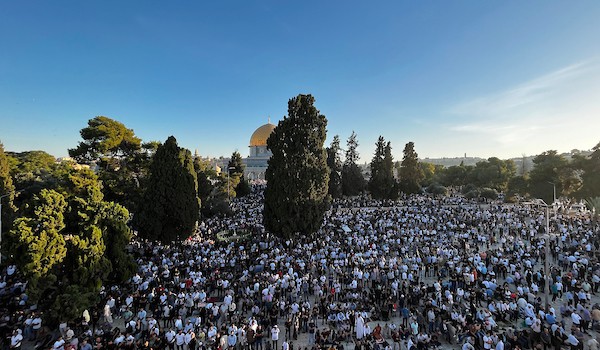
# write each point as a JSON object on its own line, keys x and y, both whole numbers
{"x": 32, "y": 162}
{"x": 353, "y": 181}
{"x": 517, "y": 185}
{"x": 455, "y": 175}
{"x": 588, "y": 168}
{"x": 6, "y": 190}
{"x": 170, "y": 207}
{"x": 297, "y": 177}
{"x": 550, "y": 169}
{"x": 382, "y": 183}
{"x": 411, "y": 174}
{"x": 492, "y": 173}
{"x": 335, "y": 168}
{"x": 36, "y": 240}
{"x": 431, "y": 172}
{"x": 238, "y": 182}
{"x": 121, "y": 158}
{"x": 105, "y": 138}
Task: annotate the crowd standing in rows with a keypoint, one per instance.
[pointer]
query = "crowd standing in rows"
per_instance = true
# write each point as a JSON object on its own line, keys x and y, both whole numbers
{"x": 418, "y": 273}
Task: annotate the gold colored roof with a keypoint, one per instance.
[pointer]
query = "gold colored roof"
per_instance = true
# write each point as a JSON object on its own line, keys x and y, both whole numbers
{"x": 260, "y": 136}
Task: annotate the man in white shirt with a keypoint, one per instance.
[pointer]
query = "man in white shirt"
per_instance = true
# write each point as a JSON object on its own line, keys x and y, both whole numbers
{"x": 59, "y": 344}
{"x": 36, "y": 324}
{"x": 275, "y": 337}
{"x": 487, "y": 341}
{"x": 573, "y": 342}
{"x": 468, "y": 345}
{"x": 16, "y": 339}
{"x": 170, "y": 338}
{"x": 179, "y": 340}
{"x": 576, "y": 318}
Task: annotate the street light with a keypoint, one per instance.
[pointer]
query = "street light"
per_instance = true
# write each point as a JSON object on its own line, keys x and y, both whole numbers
{"x": 553, "y": 192}
{"x": 541, "y": 202}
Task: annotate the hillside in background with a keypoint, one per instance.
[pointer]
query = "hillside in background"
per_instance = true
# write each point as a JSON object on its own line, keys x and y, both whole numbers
{"x": 522, "y": 164}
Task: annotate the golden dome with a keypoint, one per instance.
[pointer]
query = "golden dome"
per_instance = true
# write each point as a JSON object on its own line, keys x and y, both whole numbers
{"x": 260, "y": 136}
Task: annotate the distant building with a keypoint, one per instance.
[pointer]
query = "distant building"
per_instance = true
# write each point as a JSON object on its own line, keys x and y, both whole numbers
{"x": 75, "y": 165}
{"x": 257, "y": 161}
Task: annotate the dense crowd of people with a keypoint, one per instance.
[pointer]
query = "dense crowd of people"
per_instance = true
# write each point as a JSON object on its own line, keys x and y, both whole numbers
{"x": 417, "y": 273}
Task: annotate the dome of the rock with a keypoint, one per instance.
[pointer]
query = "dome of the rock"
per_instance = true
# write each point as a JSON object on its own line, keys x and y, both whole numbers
{"x": 260, "y": 136}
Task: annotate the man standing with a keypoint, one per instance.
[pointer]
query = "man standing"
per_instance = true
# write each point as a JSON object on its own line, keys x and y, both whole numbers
{"x": 232, "y": 340}
{"x": 359, "y": 326}
{"x": 179, "y": 340}
{"x": 36, "y": 325}
{"x": 16, "y": 340}
{"x": 274, "y": 337}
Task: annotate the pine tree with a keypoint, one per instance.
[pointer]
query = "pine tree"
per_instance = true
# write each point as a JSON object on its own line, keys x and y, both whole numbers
{"x": 411, "y": 173}
{"x": 120, "y": 156}
{"x": 335, "y": 168}
{"x": 297, "y": 177}
{"x": 353, "y": 181}
{"x": 170, "y": 209}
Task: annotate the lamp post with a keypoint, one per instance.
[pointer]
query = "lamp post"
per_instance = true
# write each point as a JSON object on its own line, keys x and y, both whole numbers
{"x": 553, "y": 192}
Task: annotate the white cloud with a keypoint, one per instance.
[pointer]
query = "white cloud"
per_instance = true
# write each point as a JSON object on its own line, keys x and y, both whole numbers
{"x": 535, "y": 90}
{"x": 558, "y": 110}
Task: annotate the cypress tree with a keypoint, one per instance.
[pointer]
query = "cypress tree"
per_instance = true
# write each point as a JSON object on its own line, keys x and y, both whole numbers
{"x": 335, "y": 168}
{"x": 411, "y": 173}
{"x": 170, "y": 207}
{"x": 353, "y": 181}
{"x": 382, "y": 183}
{"x": 376, "y": 182}
{"x": 297, "y": 177}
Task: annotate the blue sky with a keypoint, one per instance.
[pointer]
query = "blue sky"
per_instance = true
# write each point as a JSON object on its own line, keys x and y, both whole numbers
{"x": 486, "y": 78}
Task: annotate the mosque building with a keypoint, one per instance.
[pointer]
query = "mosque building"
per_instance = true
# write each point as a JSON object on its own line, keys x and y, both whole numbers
{"x": 257, "y": 162}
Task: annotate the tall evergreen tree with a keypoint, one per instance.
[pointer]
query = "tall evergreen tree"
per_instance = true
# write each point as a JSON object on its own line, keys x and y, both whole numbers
{"x": 411, "y": 173}
{"x": 170, "y": 208}
{"x": 382, "y": 183}
{"x": 388, "y": 166}
{"x": 335, "y": 168}
{"x": 377, "y": 181}
{"x": 297, "y": 177}
{"x": 353, "y": 181}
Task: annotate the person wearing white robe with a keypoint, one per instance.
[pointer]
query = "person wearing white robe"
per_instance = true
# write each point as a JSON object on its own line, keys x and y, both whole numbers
{"x": 359, "y": 325}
